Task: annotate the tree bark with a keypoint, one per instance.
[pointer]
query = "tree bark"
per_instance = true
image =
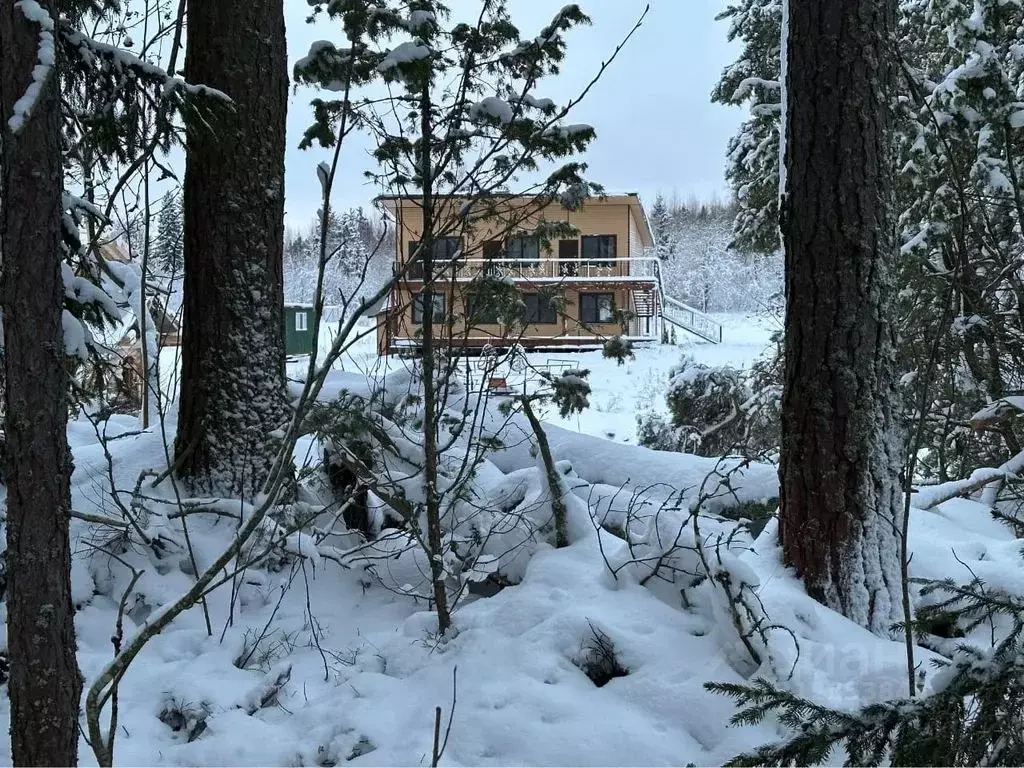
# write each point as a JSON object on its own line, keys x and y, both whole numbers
{"x": 435, "y": 532}
{"x": 45, "y": 685}
{"x": 233, "y": 363}
{"x": 841, "y": 508}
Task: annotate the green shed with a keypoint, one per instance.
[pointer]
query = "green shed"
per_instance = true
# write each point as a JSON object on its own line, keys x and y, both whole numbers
{"x": 298, "y": 329}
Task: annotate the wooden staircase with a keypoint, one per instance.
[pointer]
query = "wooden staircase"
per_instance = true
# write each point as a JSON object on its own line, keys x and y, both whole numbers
{"x": 645, "y": 303}
{"x": 691, "y": 320}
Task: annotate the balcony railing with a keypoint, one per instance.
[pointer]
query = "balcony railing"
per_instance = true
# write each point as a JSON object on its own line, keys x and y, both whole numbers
{"x": 546, "y": 269}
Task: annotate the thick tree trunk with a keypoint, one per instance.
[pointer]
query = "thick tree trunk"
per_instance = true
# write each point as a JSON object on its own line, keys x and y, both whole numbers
{"x": 841, "y": 443}
{"x": 232, "y": 384}
{"x": 45, "y": 685}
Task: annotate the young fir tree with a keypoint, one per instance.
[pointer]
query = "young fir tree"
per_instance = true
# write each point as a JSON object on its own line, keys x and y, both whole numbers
{"x": 168, "y": 248}
{"x": 753, "y": 156}
{"x": 840, "y": 502}
{"x": 662, "y": 229}
{"x": 972, "y": 713}
{"x": 466, "y": 121}
{"x": 233, "y": 364}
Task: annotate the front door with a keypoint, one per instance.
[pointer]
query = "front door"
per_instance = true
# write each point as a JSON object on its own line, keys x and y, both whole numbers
{"x": 567, "y": 251}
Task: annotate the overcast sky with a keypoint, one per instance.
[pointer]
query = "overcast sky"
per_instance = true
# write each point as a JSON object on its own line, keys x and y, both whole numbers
{"x": 656, "y": 128}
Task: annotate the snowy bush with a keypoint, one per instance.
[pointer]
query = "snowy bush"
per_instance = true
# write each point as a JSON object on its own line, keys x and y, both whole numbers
{"x": 705, "y": 405}
{"x": 618, "y": 349}
{"x": 972, "y": 714}
{"x": 655, "y": 430}
{"x": 718, "y": 410}
{"x": 598, "y": 659}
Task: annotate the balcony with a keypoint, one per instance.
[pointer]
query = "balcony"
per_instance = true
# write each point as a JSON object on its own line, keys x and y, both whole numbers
{"x": 640, "y": 268}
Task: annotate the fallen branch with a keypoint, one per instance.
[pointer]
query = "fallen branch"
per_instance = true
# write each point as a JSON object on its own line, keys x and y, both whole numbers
{"x": 933, "y": 495}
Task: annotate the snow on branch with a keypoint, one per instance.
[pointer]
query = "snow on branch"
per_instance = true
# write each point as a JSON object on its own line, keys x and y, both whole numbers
{"x": 46, "y": 59}
{"x": 998, "y": 411}
{"x": 403, "y": 53}
{"x": 989, "y": 478}
{"x": 932, "y": 496}
{"x": 748, "y": 84}
{"x": 99, "y": 56}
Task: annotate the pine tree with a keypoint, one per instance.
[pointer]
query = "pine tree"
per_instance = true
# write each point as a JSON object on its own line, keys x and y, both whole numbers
{"x": 91, "y": 110}
{"x": 753, "y": 155}
{"x": 840, "y": 497}
{"x": 233, "y": 366}
{"x": 45, "y": 685}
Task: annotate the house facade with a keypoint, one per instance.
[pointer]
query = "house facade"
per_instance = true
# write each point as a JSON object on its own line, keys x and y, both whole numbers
{"x": 583, "y": 275}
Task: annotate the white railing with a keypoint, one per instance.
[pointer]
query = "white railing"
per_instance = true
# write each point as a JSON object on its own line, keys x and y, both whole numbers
{"x": 639, "y": 268}
{"x": 690, "y": 319}
{"x": 548, "y": 268}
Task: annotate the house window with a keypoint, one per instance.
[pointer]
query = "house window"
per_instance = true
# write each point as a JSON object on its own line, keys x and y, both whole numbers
{"x": 539, "y": 309}
{"x": 568, "y": 258}
{"x": 419, "y": 302}
{"x": 492, "y": 254}
{"x": 300, "y": 321}
{"x": 599, "y": 250}
{"x": 597, "y": 307}
{"x": 444, "y": 250}
{"x": 525, "y": 250}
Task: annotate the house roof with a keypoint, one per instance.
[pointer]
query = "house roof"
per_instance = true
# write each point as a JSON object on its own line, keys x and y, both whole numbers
{"x": 112, "y": 251}
{"x": 166, "y": 323}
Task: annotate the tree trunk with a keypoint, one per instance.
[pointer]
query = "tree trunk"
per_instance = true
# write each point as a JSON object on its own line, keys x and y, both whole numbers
{"x": 232, "y": 382}
{"x": 45, "y": 685}
{"x": 841, "y": 457}
{"x": 435, "y": 533}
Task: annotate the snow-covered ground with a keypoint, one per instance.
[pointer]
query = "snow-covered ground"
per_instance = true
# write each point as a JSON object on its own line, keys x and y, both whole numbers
{"x": 363, "y": 670}
{"x": 619, "y": 392}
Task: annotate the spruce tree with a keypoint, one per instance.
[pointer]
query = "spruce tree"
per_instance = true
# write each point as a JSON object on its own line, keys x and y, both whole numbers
{"x": 168, "y": 248}
{"x": 662, "y": 229}
{"x": 753, "y": 156}
{"x": 960, "y": 152}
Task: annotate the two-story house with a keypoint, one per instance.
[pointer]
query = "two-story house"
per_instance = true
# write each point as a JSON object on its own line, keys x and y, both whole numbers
{"x": 598, "y": 269}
